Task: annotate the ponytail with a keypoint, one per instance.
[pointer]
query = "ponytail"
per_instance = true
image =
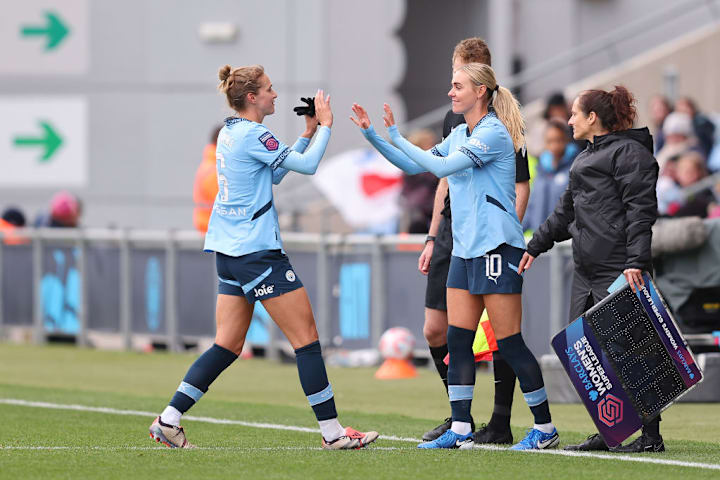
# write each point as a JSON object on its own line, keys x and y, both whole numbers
{"x": 624, "y": 105}
{"x": 615, "y": 109}
{"x": 507, "y": 108}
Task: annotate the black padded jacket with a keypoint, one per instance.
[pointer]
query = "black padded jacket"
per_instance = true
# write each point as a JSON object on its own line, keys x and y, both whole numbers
{"x": 609, "y": 206}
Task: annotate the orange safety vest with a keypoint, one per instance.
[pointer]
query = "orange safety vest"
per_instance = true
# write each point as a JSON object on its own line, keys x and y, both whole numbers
{"x": 205, "y": 189}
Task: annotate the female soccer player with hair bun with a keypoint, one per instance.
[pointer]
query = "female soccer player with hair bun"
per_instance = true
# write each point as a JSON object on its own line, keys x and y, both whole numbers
{"x": 251, "y": 264}
{"x": 479, "y": 160}
{"x": 608, "y": 209}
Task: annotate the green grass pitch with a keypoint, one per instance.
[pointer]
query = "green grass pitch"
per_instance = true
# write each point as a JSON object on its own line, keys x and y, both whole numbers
{"x": 60, "y": 443}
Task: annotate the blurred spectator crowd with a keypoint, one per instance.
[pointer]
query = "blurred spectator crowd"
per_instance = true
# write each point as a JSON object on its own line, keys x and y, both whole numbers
{"x": 688, "y": 154}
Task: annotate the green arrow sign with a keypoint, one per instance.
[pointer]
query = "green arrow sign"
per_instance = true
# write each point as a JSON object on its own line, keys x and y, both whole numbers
{"x": 50, "y": 141}
{"x": 54, "y": 29}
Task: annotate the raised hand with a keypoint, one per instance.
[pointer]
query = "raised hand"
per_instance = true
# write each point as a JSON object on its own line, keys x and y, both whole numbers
{"x": 311, "y": 124}
{"x": 363, "y": 120}
{"x": 389, "y": 118}
{"x": 308, "y": 109}
{"x": 323, "y": 112}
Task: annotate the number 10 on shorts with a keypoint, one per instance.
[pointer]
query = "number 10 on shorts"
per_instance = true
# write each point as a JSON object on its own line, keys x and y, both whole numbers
{"x": 493, "y": 266}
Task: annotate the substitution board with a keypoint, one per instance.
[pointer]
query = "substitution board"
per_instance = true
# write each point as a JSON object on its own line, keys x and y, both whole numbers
{"x": 627, "y": 360}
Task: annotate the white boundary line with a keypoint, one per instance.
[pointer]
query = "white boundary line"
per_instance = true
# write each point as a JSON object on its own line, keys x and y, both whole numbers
{"x": 134, "y": 448}
{"x": 272, "y": 426}
{"x": 140, "y": 413}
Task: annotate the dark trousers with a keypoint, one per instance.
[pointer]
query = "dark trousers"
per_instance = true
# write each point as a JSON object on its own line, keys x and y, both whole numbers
{"x": 587, "y": 290}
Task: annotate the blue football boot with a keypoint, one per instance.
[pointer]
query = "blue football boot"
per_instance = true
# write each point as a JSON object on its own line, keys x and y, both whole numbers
{"x": 537, "y": 440}
{"x": 448, "y": 439}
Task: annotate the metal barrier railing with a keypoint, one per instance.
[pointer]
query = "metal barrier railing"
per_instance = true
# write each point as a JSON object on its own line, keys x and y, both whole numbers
{"x": 111, "y": 272}
{"x": 169, "y": 245}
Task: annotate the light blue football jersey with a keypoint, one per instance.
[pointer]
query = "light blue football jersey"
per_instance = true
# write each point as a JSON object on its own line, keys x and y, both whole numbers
{"x": 482, "y": 196}
{"x": 244, "y": 219}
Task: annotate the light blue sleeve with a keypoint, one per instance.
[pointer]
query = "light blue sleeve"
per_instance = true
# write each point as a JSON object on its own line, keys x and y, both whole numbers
{"x": 299, "y": 146}
{"x": 262, "y": 146}
{"x": 307, "y": 163}
{"x": 443, "y": 148}
{"x": 279, "y": 174}
{"x": 437, "y": 165}
{"x": 394, "y": 156}
{"x": 485, "y": 145}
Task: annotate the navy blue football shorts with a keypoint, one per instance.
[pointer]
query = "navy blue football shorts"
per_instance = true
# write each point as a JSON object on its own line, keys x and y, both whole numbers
{"x": 256, "y": 276}
{"x": 494, "y": 272}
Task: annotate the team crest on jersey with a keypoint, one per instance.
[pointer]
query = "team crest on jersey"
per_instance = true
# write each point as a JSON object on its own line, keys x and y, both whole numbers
{"x": 290, "y": 276}
{"x": 269, "y": 141}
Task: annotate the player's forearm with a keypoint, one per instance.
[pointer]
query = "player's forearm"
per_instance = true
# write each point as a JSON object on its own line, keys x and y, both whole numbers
{"x": 438, "y": 166}
{"x": 299, "y": 146}
{"x": 522, "y": 194}
{"x": 438, "y": 206}
{"x": 307, "y": 163}
{"x": 301, "y": 143}
{"x": 392, "y": 154}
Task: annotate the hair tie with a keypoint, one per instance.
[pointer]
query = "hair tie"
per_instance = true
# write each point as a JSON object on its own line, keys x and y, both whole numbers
{"x": 497, "y": 87}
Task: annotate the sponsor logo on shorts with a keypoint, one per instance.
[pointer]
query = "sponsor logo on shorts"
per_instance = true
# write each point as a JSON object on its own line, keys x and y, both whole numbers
{"x": 269, "y": 141}
{"x": 610, "y": 410}
{"x": 290, "y": 275}
{"x": 263, "y": 290}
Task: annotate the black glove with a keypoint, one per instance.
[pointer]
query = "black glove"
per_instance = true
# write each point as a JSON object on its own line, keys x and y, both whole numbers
{"x": 308, "y": 110}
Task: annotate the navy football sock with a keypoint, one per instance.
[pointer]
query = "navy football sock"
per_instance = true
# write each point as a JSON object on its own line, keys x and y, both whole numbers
{"x": 652, "y": 427}
{"x": 461, "y": 372}
{"x": 438, "y": 355}
{"x": 504, "y": 390}
{"x": 526, "y": 367}
{"x": 314, "y": 381}
{"x": 200, "y": 375}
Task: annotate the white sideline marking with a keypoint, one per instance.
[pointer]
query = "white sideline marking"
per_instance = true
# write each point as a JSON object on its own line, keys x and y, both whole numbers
{"x": 614, "y": 456}
{"x": 272, "y": 426}
{"x": 140, "y": 413}
{"x": 133, "y": 447}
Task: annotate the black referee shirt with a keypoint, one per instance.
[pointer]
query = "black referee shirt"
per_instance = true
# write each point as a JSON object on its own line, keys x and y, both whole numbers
{"x": 522, "y": 171}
